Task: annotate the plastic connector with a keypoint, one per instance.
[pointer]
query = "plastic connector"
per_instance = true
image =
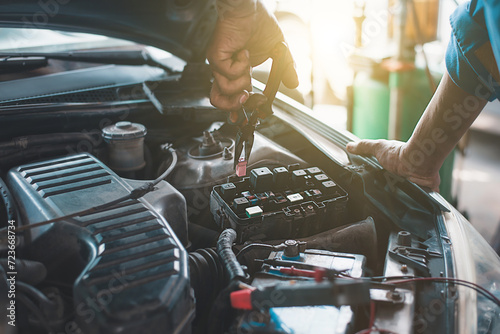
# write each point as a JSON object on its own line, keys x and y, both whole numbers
{"x": 241, "y": 299}
{"x": 241, "y": 167}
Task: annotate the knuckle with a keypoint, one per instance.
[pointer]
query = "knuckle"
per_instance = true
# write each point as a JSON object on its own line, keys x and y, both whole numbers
{"x": 231, "y": 87}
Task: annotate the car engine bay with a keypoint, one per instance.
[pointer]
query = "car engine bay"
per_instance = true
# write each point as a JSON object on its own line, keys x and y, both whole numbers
{"x": 282, "y": 250}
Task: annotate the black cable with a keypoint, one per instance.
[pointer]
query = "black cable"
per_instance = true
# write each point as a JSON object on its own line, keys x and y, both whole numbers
{"x": 408, "y": 279}
{"x": 36, "y": 312}
{"x": 29, "y": 290}
{"x": 134, "y": 194}
{"x": 252, "y": 246}
{"x": 457, "y": 281}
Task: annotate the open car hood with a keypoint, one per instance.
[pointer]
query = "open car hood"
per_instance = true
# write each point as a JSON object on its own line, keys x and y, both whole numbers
{"x": 182, "y": 27}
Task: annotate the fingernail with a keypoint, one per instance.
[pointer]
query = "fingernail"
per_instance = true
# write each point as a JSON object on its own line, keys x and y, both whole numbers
{"x": 243, "y": 98}
{"x": 247, "y": 54}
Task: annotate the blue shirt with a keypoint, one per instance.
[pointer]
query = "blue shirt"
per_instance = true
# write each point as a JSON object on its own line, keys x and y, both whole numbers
{"x": 473, "y": 24}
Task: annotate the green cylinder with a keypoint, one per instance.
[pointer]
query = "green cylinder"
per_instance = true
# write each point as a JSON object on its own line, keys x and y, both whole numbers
{"x": 370, "y": 106}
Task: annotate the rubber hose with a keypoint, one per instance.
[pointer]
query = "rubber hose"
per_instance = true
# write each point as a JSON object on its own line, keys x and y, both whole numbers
{"x": 207, "y": 276}
{"x": 226, "y": 254}
{"x": 206, "y": 273}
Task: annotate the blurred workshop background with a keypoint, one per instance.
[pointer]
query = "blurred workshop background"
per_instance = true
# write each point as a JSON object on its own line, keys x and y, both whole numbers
{"x": 371, "y": 67}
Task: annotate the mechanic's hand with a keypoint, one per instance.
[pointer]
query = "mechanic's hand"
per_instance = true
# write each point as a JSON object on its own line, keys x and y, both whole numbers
{"x": 244, "y": 37}
{"x": 391, "y": 154}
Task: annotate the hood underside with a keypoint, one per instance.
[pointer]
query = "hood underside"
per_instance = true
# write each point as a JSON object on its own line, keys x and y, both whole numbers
{"x": 182, "y": 27}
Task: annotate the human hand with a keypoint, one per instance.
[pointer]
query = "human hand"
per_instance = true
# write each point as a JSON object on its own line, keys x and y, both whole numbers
{"x": 391, "y": 154}
{"x": 244, "y": 37}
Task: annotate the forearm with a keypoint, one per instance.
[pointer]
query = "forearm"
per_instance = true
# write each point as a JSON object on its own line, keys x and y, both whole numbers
{"x": 445, "y": 120}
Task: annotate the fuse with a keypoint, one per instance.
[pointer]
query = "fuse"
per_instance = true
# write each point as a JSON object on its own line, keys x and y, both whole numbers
{"x": 253, "y": 211}
{"x": 314, "y": 170}
{"x": 295, "y": 198}
{"x": 241, "y": 167}
{"x": 321, "y": 177}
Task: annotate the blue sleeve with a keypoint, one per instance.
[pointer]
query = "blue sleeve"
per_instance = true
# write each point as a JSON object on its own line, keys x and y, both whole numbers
{"x": 469, "y": 33}
{"x": 492, "y": 20}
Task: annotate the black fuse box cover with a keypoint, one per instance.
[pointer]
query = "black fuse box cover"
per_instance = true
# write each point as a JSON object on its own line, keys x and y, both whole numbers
{"x": 290, "y": 209}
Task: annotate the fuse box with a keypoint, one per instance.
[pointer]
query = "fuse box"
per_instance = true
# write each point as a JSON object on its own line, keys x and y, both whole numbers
{"x": 280, "y": 203}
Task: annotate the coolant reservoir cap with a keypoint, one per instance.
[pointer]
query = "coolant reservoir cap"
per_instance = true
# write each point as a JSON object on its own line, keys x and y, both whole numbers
{"x": 124, "y": 130}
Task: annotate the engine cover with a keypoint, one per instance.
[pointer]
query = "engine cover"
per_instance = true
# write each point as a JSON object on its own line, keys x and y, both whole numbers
{"x": 128, "y": 269}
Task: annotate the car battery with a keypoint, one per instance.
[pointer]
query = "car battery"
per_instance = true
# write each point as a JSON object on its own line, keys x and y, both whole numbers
{"x": 318, "y": 319}
{"x": 279, "y": 203}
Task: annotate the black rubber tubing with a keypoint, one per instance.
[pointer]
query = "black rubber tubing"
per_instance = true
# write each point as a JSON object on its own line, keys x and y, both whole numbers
{"x": 227, "y": 256}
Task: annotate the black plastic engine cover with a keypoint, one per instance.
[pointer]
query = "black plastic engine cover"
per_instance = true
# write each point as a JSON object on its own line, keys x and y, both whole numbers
{"x": 133, "y": 275}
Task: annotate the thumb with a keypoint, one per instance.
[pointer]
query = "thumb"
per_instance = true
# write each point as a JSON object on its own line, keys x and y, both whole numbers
{"x": 363, "y": 147}
{"x": 290, "y": 77}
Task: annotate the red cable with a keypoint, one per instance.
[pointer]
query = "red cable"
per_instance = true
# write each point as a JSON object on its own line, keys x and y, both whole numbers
{"x": 371, "y": 323}
{"x": 372, "y": 314}
{"x": 365, "y": 331}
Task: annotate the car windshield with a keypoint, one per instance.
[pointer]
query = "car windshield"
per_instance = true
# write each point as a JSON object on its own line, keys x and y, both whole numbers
{"x": 24, "y": 53}
{"x": 40, "y": 40}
